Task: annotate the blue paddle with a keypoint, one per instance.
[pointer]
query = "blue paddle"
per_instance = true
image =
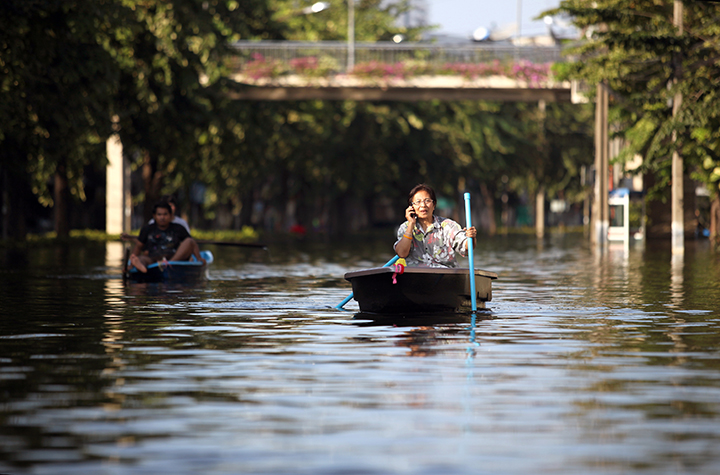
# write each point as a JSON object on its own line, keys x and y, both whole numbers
{"x": 468, "y": 224}
{"x": 347, "y": 299}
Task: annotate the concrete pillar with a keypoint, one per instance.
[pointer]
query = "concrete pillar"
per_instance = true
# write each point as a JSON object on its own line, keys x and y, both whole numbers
{"x": 118, "y": 200}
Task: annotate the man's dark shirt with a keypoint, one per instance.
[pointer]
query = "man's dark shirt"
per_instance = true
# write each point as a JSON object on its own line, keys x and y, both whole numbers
{"x": 162, "y": 243}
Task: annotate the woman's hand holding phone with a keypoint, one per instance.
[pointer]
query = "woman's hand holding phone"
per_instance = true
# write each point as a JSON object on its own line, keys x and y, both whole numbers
{"x": 410, "y": 215}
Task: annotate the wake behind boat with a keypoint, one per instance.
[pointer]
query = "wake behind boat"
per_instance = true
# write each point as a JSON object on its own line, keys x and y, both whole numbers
{"x": 174, "y": 271}
{"x": 418, "y": 289}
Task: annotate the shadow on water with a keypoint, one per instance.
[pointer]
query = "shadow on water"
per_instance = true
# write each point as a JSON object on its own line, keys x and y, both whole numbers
{"x": 425, "y": 334}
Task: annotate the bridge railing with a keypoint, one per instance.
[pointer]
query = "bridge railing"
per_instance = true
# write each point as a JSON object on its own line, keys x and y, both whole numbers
{"x": 333, "y": 56}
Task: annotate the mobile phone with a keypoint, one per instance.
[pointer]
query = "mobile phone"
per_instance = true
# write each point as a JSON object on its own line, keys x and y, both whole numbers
{"x": 413, "y": 214}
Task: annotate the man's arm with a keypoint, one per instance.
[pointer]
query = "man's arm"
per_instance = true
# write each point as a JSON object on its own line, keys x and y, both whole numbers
{"x": 140, "y": 241}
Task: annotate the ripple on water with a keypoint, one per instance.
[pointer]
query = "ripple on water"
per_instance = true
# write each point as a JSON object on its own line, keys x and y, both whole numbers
{"x": 581, "y": 364}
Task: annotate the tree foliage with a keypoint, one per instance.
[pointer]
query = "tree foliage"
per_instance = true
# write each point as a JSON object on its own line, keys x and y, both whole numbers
{"x": 375, "y": 20}
{"x": 635, "y": 47}
{"x": 70, "y": 68}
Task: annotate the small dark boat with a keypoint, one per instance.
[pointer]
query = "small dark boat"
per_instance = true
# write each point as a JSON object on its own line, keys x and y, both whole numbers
{"x": 418, "y": 289}
{"x": 175, "y": 271}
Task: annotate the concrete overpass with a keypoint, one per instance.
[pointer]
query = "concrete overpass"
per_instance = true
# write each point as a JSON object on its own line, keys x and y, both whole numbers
{"x": 422, "y": 88}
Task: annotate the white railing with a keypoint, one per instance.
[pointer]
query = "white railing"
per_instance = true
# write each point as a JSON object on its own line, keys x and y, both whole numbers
{"x": 335, "y": 52}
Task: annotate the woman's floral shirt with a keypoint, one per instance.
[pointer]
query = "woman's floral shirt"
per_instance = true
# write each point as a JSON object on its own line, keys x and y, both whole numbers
{"x": 437, "y": 246}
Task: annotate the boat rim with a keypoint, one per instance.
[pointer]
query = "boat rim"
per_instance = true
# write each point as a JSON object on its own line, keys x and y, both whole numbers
{"x": 420, "y": 270}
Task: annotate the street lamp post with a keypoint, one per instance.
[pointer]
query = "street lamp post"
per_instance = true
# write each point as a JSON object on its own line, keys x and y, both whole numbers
{"x": 320, "y": 6}
{"x": 351, "y": 35}
{"x": 519, "y": 30}
{"x": 519, "y": 19}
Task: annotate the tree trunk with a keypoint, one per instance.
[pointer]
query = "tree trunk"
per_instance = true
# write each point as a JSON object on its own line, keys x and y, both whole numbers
{"x": 151, "y": 180}
{"x": 16, "y": 196}
{"x": 338, "y": 217}
{"x": 659, "y": 213}
{"x": 715, "y": 220}
{"x": 490, "y": 209}
{"x": 62, "y": 227}
{"x": 246, "y": 209}
{"x": 540, "y": 212}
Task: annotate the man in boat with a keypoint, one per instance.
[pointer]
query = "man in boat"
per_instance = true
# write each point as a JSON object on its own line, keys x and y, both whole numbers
{"x": 170, "y": 199}
{"x": 174, "y": 218}
{"x": 428, "y": 240}
{"x": 163, "y": 240}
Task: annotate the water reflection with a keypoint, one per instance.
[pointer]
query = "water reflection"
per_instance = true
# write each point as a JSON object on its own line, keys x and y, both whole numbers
{"x": 114, "y": 254}
{"x": 425, "y": 335}
{"x": 413, "y": 320}
{"x": 582, "y": 364}
{"x": 676, "y": 279}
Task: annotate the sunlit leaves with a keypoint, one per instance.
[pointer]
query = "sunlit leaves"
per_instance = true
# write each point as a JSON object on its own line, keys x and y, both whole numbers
{"x": 634, "y": 46}
{"x": 375, "y": 20}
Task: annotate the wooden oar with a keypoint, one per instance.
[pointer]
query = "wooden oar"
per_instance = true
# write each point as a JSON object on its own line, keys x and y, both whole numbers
{"x": 468, "y": 224}
{"x": 217, "y": 243}
{"x": 230, "y": 243}
{"x": 347, "y": 299}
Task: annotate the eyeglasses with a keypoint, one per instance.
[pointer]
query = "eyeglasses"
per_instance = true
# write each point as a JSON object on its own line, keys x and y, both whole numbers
{"x": 427, "y": 202}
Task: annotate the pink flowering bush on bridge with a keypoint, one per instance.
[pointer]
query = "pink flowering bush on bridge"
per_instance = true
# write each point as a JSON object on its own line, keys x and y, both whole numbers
{"x": 312, "y": 67}
{"x": 309, "y": 66}
{"x": 398, "y": 70}
{"x": 260, "y": 67}
{"x": 534, "y": 74}
{"x": 530, "y": 72}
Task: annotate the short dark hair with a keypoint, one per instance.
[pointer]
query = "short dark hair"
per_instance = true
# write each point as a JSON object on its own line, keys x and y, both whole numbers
{"x": 162, "y": 204}
{"x": 422, "y": 187}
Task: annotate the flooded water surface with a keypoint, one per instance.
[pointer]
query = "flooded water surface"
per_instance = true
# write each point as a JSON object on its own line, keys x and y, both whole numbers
{"x": 585, "y": 362}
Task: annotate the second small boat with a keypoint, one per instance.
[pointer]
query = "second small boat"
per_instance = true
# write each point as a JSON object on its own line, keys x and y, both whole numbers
{"x": 418, "y": 289}
{"x": 175, "y": 271}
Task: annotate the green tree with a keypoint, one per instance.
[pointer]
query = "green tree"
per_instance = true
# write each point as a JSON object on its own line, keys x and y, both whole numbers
{"x": 56, "y": 90}
{"x": 634, "y": 47}
{"x": 173, "y": 104}
{"x": 70, "y": 68}
{"x": 375, "y": 20}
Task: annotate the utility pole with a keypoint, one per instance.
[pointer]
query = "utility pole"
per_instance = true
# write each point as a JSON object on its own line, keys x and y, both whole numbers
{"x": 677, "y": 207}
{"x": 600, "y": 211}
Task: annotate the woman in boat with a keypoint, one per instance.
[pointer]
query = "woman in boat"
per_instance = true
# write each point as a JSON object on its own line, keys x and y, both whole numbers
{"x": 163, "y": 240}
{"x": 428, "y": 240}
